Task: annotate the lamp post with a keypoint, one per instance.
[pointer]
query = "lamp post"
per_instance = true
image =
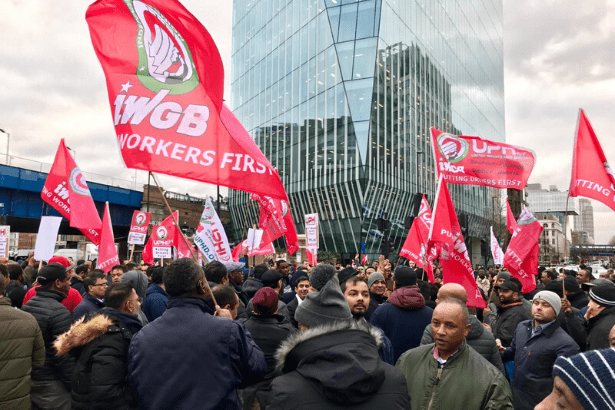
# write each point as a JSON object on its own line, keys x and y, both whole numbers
{"x": 8, "y": 140}
{"x": 73, "y": 151}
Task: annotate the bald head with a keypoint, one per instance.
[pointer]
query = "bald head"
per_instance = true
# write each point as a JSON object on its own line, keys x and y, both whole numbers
{"x": 452, "y": 290}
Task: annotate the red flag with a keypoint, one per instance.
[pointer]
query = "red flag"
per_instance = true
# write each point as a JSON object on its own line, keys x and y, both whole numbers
{"x": 148, "y": 253}
{"x": 163, "y": 235}
{"x": 165, "y": 82}
{"x": 183, "y": 249}
{"x": 312, "y": 256}
{"x": 276, "y": 220}
{"x": 521, "y": 257}
{"x": 107, "y": 253}
{"x": 415, "y": 247}
{"x": 474, "y": 161}
{"x": 456, "y": 264}
{"x": 592, "y": 177}
{"x": 510, "y": 218}
{"x": 239, "y": 250}
{"x": 67, "y": 192}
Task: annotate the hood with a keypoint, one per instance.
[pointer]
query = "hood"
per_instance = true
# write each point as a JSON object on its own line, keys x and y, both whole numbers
{"x": 408, "y": 298}
{"x": 138, "y": 280}
{"x": 82, "y": 333}
{"x": 154, "y": 288}
{"x": 341, "y": 360}
{"x": 477, "y": 328}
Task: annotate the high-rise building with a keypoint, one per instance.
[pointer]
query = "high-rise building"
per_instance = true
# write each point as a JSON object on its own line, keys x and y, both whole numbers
{"x": 584, "y": 222}
{"x": 340, "y": 96}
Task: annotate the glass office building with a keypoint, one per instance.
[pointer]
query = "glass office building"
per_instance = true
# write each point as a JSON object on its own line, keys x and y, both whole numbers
{"x": 340, "y": 96}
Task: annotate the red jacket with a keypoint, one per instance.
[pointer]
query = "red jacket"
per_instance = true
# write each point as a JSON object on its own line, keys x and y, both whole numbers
{"x": 70, "y": 302}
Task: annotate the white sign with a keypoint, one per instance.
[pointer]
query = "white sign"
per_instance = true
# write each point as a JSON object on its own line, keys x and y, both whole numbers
{"x": 210, "y": 237}
{"x": 136, "y": 238}
{"x": 311, "y": 231}
{"x": 5, "y": 233}
{"x": 46, "y": 238}
{"x": 254, "y": 238}
{"x": 162, "y": 252}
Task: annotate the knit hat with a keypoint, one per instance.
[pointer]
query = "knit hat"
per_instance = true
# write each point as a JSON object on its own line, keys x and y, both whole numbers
{"x": 138, "y": 280}
{"x": 346, "y": 273}
{"x": 404, "y": 276}
{"x": 603, "y": 295}
{"x": 324, "y": 307}
{"x": 504, "y": 275}
{"x": 62, "y": 261}
{"x": 556, "y": 287}
{"x": 571, "y": 284}
{"x": 271, "y": 278}
{"x": 50, "y": 273}
{"x": 321, "y": 274}
{"x": 373, "y": 278}
{"x": 590, "y": 377}
{"x": 600, "y": 281}
{"x": 265, "y": 300}
{"x": 551, "y": 298}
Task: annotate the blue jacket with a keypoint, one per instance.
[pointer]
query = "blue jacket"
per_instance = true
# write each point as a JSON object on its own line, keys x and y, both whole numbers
{"x": 87, "y": 305}
{"x": 403, "y": 318}
{"x": 188, "y": 359}
{"x": 534, "y": 358}
{"x": 155, "y": 302}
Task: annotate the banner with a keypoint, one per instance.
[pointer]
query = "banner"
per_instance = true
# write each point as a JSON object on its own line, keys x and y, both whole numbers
{"x": 239, "y": 250}
{"x": 592, "y": 177}
{"x": 107, "y": 253}
{"x": 521, "y": 257}
{"x": 165, "y": 82}
{"x": 415, "y": 247}
{"x": 276, "y": 220}
{"x": 496, "y": 251}
{"x": 474, "y": 161}
{"x": 46, "y": 237}
{"x": 210, "y": 236}
{"x": 163, "y": 236}
{"x": 66, "y": 191}
{"x": 511, "y": 222}
{"x": 311, "y": 231}
{"x": 456, "y": 264}
{"x": 5, "y": 235}
{"x": 312, "y": 256}
{"x": 255, "y": 238}
{"x": 138, "y": 227}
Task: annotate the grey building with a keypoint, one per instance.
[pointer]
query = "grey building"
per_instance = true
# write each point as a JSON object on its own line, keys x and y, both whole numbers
{"x": 340, "y": 96}
{"x": 584, "y": 223}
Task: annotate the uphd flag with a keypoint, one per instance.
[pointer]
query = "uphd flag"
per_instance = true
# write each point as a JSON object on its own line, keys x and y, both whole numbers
{"x": 276, "y": 220}
{"x": 415, "y": 247}
{"x": 445, "y": 230}
{"x": 138, "y": 227}
{"x": 496, "y": 251}
{"x": 592, "y": 176}
{"x": 165, "y": 82}
{"x": 521, "y": 257}
{"x": 163, "y": 236}
{"x": 210, "y": 236}
{"x": 67, "y": 192}
{"x": 107, "y": 253}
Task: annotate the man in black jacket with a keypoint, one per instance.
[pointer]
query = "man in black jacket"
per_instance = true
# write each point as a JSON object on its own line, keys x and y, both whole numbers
{"x": 598, "y": 321}
{"x": 51, "y": 384}
{"x": 512, "y": 311}
{"x": 100, "y": 343}
{"x": 96, "y": 285}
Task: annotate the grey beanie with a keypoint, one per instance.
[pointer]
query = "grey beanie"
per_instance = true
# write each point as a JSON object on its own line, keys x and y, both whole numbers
{"x": 551, "y": 298}
{"x": 324, "y": 307}
{"x": 504, "y": 275}
{"x": 373, "y": 278}
{"x": 138, "y": 280}
{"x": 321, "y": 274}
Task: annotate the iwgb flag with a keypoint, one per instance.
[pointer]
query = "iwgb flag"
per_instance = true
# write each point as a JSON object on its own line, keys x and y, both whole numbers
{"x": 165, "y": 82}
{"x": 210, "y": 236}
{"x": 474, "y": 161}
{"x": 496, "y": 251}
{"x": 276, "y": 220}
{"x": 415, "y": 247}
{"x": 592, "y": 177}
{"x": 521, "y": 257}
{"x": 445, "y": 230}
{"x": 107, "y": 253}
{"x": 67, "y": 192}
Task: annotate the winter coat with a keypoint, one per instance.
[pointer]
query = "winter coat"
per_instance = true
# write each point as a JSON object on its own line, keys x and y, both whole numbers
{"x": 292, "y": 307}
{"x": 336, "y": 367}
{"x": 403, "y": 318}
{"x": 87, "y": 305}
{"x": 155, "y": 302}
{"x": 190, "y": 359}
{"x": 251, "y": 286}
{"x": 534, "y": 358}
{"x": 508, "y": 318}
{"x": 99, "y": 341}
{"x": 480, "y": 339}
{"x": 466, "y": 381}
{"x": 70, "y": 302}
{"x": 595, "y": 331}
{"x": 282, "y": 310}
{"x": 77, "y": 283}
{"x": 579, "y": 300}
{"x": 22, "y": 350}
{"x": 16, "y": 292}
{"x": 53, "y": 319}
{"x": 374, "y": 302}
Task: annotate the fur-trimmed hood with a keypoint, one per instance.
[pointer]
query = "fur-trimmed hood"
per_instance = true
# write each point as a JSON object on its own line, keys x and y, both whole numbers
{"x": 342, "y": 360}
{"x": 82, "y": 333}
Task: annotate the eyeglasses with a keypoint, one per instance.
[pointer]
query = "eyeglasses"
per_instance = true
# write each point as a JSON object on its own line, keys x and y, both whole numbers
{"x": 101, "y": 284}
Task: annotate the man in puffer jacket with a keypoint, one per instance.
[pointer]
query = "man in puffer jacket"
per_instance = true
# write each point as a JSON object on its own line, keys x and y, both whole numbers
{"x": 404, "y": 316}
{"x": 51, "y": 384}
{"x": 334, "y": 362}
{"x": 479, "y": 338}
{"x": 100, "y": 342}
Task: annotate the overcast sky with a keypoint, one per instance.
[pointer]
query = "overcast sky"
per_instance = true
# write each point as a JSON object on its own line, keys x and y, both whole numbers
{"x": 558, "y": 57}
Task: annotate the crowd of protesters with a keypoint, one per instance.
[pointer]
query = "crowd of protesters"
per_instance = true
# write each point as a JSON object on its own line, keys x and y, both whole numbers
{"x": 289, "y": 336}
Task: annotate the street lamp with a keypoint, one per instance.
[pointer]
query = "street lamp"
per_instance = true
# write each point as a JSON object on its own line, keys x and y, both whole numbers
{"x": 8, "y": 140}
{"x": 74, "y": 153}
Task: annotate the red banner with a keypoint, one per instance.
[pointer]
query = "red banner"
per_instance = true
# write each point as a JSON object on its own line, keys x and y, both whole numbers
{"x": 511, "y": 222}
{"x": 456, "y": 264}
{"x": 107, "y": 253}
{"x": 521, "y": 257}
{"x": 239, "y": 250}
{"x": 592, "y": 177}
{"x": 415, "y": 247}
{"x": 66, "y": 191}
{"x": 276, "y": 220}
{"x": 474, "y": 161}
{"x": 163, "y": 236}
{"x": 165, "y": 82}
{"x": 140, "y": 222}
{"x": 312, "y": 256}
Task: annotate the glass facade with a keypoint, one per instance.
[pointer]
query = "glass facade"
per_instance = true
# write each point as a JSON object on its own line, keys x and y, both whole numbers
{"x": 340, "y": 96}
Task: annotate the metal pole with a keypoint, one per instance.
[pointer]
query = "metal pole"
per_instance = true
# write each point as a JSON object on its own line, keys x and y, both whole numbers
{"x": 8, "y": 140}
{"x": 149, "y": 174}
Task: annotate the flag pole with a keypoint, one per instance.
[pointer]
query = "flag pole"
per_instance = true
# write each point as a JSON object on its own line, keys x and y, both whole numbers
{"x": 565, "y": 256}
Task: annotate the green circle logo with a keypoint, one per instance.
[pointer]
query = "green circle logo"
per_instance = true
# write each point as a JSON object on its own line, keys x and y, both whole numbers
{"x": 452, "y": 147}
